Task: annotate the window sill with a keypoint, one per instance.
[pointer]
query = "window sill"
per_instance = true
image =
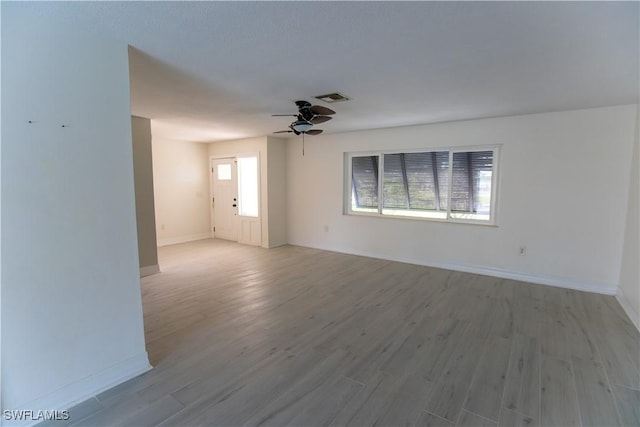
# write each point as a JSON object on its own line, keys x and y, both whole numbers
{"x": 416, "y": 218}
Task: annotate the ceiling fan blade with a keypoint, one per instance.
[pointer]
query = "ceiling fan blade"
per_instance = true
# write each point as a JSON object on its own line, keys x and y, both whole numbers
{"x": 284, "y": 115}
{"x": 319, "y": 119}
{"x": 314, "y": 132}
{"x": 319, "y": 110}
{"x": 284, "y": 131}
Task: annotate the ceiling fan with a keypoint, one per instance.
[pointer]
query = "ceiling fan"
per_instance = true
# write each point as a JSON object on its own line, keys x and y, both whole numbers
{"x": 308, "y": 115}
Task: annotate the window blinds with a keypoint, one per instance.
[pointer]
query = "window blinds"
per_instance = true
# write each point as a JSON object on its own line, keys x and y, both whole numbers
{"x": 364, "y": 180}
{"x": 416, "y": 181}
{"x": 466, "y": 178}
{"x": 420, "y": 181}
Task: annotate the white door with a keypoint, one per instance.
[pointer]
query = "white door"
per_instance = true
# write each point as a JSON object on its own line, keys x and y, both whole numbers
{"x": 225, "y": 199}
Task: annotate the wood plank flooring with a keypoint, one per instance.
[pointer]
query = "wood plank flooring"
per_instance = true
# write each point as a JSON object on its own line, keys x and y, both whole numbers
{"x": 241, "y": 335}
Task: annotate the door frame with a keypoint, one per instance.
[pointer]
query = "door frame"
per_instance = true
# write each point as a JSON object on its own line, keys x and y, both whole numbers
{"x": 211, "y": 192}
{"x": 211, "y": 203}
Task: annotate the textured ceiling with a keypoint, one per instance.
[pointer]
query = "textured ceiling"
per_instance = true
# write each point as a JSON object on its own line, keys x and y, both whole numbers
{"x": 209, "y": 71}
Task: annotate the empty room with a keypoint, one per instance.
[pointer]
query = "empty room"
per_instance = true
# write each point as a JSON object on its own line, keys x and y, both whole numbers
{"x": 320, "y": 213}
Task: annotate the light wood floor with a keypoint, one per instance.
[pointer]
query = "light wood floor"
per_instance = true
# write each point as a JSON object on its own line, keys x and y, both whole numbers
{"x": 295, "y": 336}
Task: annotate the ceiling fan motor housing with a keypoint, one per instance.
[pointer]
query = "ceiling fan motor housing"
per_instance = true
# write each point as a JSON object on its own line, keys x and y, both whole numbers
{"x": 303, "y": 104}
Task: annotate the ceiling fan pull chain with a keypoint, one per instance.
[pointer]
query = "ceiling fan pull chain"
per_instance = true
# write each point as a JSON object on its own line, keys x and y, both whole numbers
{"x": 303, "y": 144}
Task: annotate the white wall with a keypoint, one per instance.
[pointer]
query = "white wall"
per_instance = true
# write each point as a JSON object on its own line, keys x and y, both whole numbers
{"x": 145, "y": 205}
{"x": 629, "y": 291}
{"x": 277, "y": 196}
{"x": 272, "y": 182}
{"x": 181, "y": 190}
{"x": 564, "y": 181}
{"x": 71, "y": 306}
{"x": 1, "y": 352}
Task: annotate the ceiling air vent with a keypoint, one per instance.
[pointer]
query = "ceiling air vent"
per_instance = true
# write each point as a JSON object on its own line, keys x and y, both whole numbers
{"x": 332, "y": 97}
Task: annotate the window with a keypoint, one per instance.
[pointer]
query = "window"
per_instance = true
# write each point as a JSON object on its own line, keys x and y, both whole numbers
{"x": 365, "y": 183}
{"x": 224, "y": 172}
{"x": 248, "y": 186}
{"x": 455, "y": 184}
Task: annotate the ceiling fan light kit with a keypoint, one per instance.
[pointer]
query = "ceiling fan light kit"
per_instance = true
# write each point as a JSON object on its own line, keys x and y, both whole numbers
{"x": 301, "y": 126}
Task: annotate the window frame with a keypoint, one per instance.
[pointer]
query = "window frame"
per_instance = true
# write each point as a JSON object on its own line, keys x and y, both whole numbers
{"x": 495, "y": 175}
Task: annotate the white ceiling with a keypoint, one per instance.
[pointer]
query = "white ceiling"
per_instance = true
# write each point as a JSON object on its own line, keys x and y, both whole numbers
{"x": 208, "y": 71}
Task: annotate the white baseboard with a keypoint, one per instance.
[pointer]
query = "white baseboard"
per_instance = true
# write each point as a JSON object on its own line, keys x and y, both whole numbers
{"x": 148, "y": 270}
{"x": 183, "y": 239}
{"x": 628, "y": 307}
{"x": 578, "y": 285}
{"x": 79, "y": 391}
{"x": 274, "y": 245}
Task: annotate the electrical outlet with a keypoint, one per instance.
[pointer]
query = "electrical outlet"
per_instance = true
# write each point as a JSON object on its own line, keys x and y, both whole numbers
{"x": 522, "y": 250}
